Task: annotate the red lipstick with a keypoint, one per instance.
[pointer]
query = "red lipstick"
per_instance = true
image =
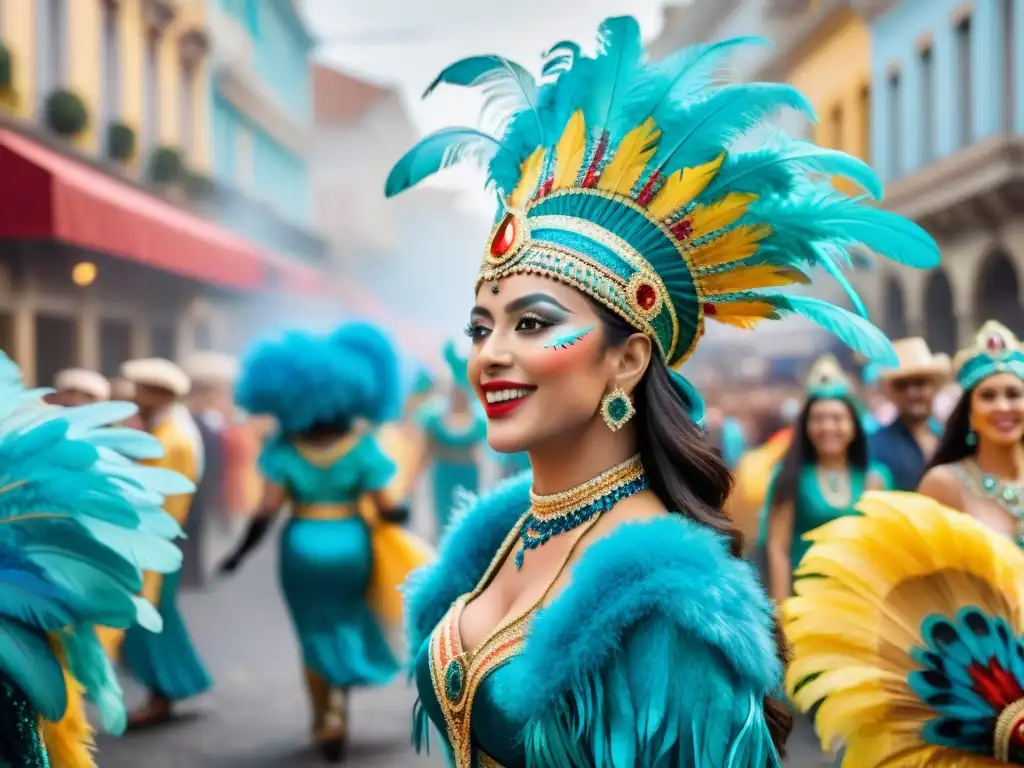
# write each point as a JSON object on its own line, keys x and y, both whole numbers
{"x": 502, "y": 408}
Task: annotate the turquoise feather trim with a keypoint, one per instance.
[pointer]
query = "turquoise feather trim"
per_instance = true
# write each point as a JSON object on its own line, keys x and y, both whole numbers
{"x": 664, "y": 595}
{"x": 78, "y": 523}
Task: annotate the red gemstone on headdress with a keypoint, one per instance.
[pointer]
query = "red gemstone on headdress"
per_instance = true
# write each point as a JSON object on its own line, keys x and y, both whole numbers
{"x": 646, "y": 297}
{"x": 505, "y": 237}
{"x": 682, "y": 229}
{"x": 709, "y": 308}
{"x": 995, "y": 343}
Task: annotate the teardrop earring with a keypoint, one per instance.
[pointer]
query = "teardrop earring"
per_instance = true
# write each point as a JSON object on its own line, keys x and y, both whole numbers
{"x": 971, "y": 439}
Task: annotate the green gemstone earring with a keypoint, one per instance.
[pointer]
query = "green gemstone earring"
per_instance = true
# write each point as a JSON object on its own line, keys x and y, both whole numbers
{"x": 971, "y": 439}
{"x": 617, "y": 409}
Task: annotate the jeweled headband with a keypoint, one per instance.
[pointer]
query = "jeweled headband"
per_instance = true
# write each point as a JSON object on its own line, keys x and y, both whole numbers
{"x": 617, "y": 176}
{"x": 995, "y": 350}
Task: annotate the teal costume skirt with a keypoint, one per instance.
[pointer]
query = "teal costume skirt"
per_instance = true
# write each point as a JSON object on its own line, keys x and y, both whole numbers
{"x": 446, "y": 477}
{"x": 166, "y": 663}
{"x": 324, "y": 573}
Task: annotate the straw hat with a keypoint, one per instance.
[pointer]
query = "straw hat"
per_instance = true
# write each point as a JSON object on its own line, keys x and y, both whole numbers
{"x": 211, "y": 368}
{"x": 83, "y": 380}
{"x": 917, "y": 360}
{"x": 157, "y": 372}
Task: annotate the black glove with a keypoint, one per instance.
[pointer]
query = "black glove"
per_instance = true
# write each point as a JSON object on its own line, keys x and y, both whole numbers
{"x": 257, "y": 530}
{"x": 396, "y": 515}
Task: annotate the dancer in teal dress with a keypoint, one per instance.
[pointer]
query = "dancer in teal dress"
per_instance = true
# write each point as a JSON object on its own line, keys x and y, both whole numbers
{"x": 456, "y": 431}
{"x": 597, "y": 612}
{"x": 79, "y": 521}
{"x": 821, "y": 477}
{"x": 323, "y": 463}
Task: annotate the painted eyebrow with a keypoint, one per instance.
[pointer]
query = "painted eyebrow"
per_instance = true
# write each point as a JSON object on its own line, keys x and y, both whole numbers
{"x": 518, "y": 305}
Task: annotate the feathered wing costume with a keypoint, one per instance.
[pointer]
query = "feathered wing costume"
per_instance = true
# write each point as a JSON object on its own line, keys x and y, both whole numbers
{"x": 620, "y": 178}
{"x": 79, "y": 522}
{"x": 913, "y": 628}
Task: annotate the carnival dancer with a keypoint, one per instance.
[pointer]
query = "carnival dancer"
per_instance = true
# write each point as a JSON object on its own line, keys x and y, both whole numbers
{"x": 907, "y": 443}
{"x": 978, "y": 467}
{"x": 79, "y": 520}
{"x": 340, "y": 563}
{"x": 626, "y": 221}
{"x": 455, "y": 430}
{"x": 166, "y": 664}
{"x": 822, "y": 475}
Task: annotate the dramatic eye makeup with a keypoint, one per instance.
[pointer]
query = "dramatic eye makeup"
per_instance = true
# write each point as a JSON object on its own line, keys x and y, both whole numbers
{"x": 568, "y": 339}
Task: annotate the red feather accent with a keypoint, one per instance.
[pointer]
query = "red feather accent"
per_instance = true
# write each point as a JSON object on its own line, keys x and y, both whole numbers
{"x": 592, "y": 174}
{"x": 994, "y": 684}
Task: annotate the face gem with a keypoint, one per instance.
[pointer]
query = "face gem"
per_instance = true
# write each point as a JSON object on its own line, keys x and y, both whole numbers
{"x": 995, "y": 343}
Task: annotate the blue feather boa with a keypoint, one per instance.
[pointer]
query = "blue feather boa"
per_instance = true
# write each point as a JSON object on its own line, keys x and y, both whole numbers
{"x": 670, "y": 568}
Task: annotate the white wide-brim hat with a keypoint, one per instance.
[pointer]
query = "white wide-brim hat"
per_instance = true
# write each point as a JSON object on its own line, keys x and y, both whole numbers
{"x": 83, "y": 380}
{"x": 211, "y": 368}
{"x": 157, "y": 372}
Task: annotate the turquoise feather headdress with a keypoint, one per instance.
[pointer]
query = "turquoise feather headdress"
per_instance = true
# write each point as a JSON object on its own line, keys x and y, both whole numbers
{"x": 826, "y": 379}
{"x": 79, "y": 522}
{"x": 618, "y": 177}
{"x": 995, "y": 350}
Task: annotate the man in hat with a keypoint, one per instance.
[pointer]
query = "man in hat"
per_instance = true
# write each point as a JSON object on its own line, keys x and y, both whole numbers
{"x": 906, "y": 445}
{"x": 166, "y": 664}
{"x": 79, "y": 386}
{"x": 210, "y": 404}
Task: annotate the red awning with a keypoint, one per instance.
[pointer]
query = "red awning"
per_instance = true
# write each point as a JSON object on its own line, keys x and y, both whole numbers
{"x": 45, "y": 195}
{"x": 291, "y": 277}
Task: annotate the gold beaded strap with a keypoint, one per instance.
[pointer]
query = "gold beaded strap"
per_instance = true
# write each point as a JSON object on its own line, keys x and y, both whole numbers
{"x": 565, "y": 503}
{"x": 1010, "y": 723}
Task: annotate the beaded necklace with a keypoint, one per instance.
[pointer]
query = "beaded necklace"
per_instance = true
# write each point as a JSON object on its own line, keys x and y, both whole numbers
{"x": 561, "y": 512}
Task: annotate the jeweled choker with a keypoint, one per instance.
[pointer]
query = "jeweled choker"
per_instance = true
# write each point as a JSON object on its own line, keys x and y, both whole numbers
{"x": 561, "y": 512}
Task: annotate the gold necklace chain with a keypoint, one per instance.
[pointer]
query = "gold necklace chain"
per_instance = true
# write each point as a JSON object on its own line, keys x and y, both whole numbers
{"x": 566, "y": 502}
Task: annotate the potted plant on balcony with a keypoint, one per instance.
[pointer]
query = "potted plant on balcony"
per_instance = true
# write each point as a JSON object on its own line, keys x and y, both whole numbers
{"x": 66, "y": 114}
{"x": 120, "y": 141}
{"x": 165, "y": 166}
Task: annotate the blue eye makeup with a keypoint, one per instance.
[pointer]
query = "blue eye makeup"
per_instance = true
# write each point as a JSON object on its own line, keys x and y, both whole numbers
{"x": 565, "y": 340}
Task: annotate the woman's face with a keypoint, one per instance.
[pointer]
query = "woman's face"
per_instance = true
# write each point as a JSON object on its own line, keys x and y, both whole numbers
{"x": 538, "y": 363}
{"x": 830, "y": 427}
{"x": 997, "y": 409}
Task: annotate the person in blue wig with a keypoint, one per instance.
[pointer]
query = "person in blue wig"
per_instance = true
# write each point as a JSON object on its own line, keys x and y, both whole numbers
{"x": 341, "y": 561}
{"x": 80, "y": 519}
{"x": 628, "y": 218}
{"x": 455, "y": 430}
{"x": 822, "y": 475}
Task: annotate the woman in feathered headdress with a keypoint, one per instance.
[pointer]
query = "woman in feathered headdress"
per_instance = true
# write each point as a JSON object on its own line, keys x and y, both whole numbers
{"x": 913, "y": 625}
{"x": 455, "y": 431}
{"x": 822, "y": 475}
{"x": 79, "y": 521}
{"x": 626, "y": 221}
{"x": 340, "y": 562}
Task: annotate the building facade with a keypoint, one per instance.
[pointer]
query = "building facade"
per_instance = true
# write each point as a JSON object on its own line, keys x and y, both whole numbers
{"x": 948, "y": 138}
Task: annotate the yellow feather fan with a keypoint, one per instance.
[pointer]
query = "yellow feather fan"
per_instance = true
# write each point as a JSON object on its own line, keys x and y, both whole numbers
{"x": 529, "y": 177}
{"x": 631, "y": 158}
{"x": 69, "y": 742}
{"x": 682, "y": 187}
{"x": 906, "y": 634}
{"x": 569, "y": 152}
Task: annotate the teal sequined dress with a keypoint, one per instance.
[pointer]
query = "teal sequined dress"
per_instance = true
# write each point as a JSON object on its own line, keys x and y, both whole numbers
{"x": 326, "y": 556}
{"x": 454, "y": 461}
{"x": 571, "y": 684}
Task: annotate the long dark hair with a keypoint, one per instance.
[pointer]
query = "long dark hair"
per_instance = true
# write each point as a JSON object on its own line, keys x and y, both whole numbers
{"x": 953, "y": 447}
{"x": 802, "y": 452}
{"x": 689, "y": 477}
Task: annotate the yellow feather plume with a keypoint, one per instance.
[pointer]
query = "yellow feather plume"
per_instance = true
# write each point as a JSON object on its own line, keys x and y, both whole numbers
{"x": 735, "y": 245}
{"x": 681, "y": 187}
{"x": 873, "y": 580}
{"x": 69, "y": 743}
{"x": 743, "y": 314}
{"x": 529, "y": 177}
{"x": 631, "y": 158}
{"x": 569, "y": 152}
{"x": 707, "y": 218}
{"x": 748, "y": 278}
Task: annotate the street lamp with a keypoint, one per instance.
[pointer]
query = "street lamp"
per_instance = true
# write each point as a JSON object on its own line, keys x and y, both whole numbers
{"x": 83, "y": 274}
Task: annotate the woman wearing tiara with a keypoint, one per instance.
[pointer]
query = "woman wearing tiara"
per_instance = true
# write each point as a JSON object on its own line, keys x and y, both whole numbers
{"x": 937, "y": 577}
{"x": 626, "y": 221}
{"x": 79, "y": 522}
{"x": 340, "y": 561}
{"x": 821, "y": 477}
